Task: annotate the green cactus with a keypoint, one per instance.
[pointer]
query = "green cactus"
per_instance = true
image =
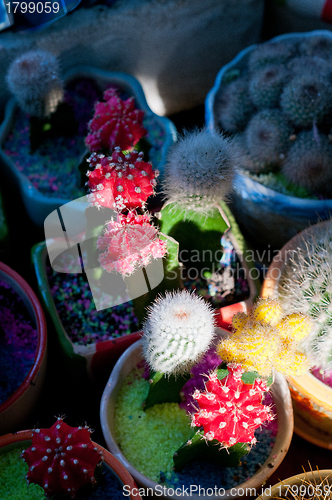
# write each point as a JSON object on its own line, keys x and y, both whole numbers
{"x": 308, "y": 162}
{"x": 267, "y": 137}
{"x": 267, "y": 84}
{"x": 234, "y": 106}
{"x": 272, "y": 53}
{"x": 306, "y": 99}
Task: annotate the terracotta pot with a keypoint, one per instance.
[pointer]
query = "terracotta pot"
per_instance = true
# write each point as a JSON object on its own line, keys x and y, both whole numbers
{"x": 23, "y": 438}
{"x": 281, "y": 396}
{"x": 17, "y": 407}
{"x": 292, "y": 484}
{"x": 312, "y": 399}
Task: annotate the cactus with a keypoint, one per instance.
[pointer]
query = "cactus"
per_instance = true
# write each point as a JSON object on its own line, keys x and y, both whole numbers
{"x": 306, "y": 288}
{"x": 306, "y": 99}
{"x": 272, "y": 53}
{"x": 310, "y": 66}
{"x": 128, "y": 243}
{"x": 120, "y": 181}
{"x": 199, "y": 171}
{"x": 266, "y": 340}
{"x": 308, "y": 162}
{"x": 61, "y": 459}
{"x": 267, "y": 137}
{"x": 115, "y": 123}
{"x": 177, "y": 332}
{"x": 317, "y": 46}
{"x": 266, "y": 85}
{"x": 234, "y": 106}
{"x": 34, "y": 80}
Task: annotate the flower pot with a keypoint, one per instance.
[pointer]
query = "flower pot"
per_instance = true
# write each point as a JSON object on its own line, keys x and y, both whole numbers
{"x": 312, "y": 399}
{"x": 94, "y": 359}
{"x": 311, "y": 481}
{"x": 15, "y": 409}
{"x": 266, "y": 216}
{"x": 22, "y": 440}
{"x": 281, "y": 397}
{"x": 4, "y": 232}
{"x": 161, "y": 134}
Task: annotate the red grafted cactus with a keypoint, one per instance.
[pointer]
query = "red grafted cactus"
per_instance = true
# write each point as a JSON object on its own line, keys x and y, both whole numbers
{"x": 128, "y": 243}
{"x": 116, "y": 122}
{"x": 61, "y": 459}
{"x": 229, "y": 409}
{"x": 120, "y": 182}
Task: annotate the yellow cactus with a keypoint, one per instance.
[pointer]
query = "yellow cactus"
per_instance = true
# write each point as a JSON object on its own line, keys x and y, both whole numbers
{"x": 239, "y": 320}
{"x": 294, "y": 327}
{"x": 291, "y": 362}
{"x": 267, "y": 311}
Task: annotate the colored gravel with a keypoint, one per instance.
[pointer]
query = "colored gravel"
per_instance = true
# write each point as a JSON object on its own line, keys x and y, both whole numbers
{"x": 76, "y": 308}
{"x": 13, "y": 485}
{"x": 53, "y": 167}
{"x": 149, "y": 440}
{"x": 18, "y": 341}
{"x": 323, "y": 376}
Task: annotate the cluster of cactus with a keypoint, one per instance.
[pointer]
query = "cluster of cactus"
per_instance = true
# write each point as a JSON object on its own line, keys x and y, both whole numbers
{"x": 306, "y": 287}
{"x": 62, "y": 459}
{"x": 34, "y": 80}
{"x": 199, "y": 171}
{"x": 116, "y": 122}
{"x": 266, "y": 339}
{"x": 279, "y": 106}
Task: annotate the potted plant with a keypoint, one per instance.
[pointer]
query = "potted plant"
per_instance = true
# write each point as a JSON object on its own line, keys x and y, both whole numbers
{"x": 23, "y": 340}
{"x": 185, "y": 381}
{"x": 83, "y": 469}
{"x": 276, "y": 99}
{"x": 40, "y": 155}
{"x": 198, "y": 180}
{"x": 299, "y": 276}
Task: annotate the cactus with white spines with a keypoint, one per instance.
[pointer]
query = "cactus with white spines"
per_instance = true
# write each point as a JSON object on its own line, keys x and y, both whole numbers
{"x": 266, "y": 85}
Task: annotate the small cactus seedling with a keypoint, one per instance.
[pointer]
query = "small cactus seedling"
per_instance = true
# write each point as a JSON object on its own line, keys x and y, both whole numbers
{"x": 116, "y": 122}
{"x": 61, "y": 459}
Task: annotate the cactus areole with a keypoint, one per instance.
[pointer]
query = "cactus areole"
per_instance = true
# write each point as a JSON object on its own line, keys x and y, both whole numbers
{"x": 61, "y": 459}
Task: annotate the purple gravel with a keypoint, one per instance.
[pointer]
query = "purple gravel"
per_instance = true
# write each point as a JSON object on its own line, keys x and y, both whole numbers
{"x": 18, "y": 341}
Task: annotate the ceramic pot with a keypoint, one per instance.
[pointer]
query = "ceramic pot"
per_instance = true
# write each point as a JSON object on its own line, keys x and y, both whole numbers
{"x": 23, "y": 439}
{"x": 38, "y": 205}
{"x": 18, "y": 406}
{"x": 267, "y": 217}
{"x": 312, "y": 399}
{"x": 129, "y": 360}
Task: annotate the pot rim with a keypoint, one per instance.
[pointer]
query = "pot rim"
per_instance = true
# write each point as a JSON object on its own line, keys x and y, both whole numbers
{"x": 109, "y": 459}
{"x": 42, "y": 336}
{"x": 279, "y": 450}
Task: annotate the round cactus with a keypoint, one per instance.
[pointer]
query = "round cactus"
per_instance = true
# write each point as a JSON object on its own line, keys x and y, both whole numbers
{"x": 310, "y": 66}
{"x": 120, "y": 181}
{"x": 306, "y": 288}
{"x": 267, "y": 137}
{"x": 272, "y": 53}
{"x": 230, "y": 410}
{"x": 308, "y": 163}
{"x": 116, "y": 122}
{"x": 266, "y": 85}
{"x": 307, "y": 99}
{"x": 234, "y": 106}
{"x": 61, "y": 459}
{"x": 34, "y": 80}
{"x": 319, "y": 45}
{"x": 199, "y": 170}
{"x": 177, "y": 332}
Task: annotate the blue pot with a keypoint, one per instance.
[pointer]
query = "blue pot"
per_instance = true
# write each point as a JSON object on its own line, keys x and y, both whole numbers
{"x": 269, "y": 218}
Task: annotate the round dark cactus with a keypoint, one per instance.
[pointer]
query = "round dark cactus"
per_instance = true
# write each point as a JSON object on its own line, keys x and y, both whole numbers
{"x": 272, "y": 53}
{"x": 318, "y": 45}
{"x": 310, "y": 66}
{"x": 234, "y": 106}
{"x": 266, "y": 85}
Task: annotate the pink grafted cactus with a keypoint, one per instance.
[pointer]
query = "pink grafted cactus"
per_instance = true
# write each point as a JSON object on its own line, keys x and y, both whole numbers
{"x": 61, "y": 459}
{"x": 229, "y": 409}
{"x": 115, "y": 123}
{"x": 128, "y": 243}
{"x": 120, "y": 181}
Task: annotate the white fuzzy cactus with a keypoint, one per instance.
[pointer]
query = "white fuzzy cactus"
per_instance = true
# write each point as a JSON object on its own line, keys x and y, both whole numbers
{"x": 178, "y": 330}
{"x": 199, "y": 170}
{"x": 34, "y": 80}
{"x": 307, "y": 288}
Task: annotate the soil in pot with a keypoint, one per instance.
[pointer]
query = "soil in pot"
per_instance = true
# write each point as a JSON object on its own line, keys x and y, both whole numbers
{"x": 13, "y": 484}
{"x": 53, "y": 167}
{"x": 149, "y": 439}
{"x": 18, "y": 341}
